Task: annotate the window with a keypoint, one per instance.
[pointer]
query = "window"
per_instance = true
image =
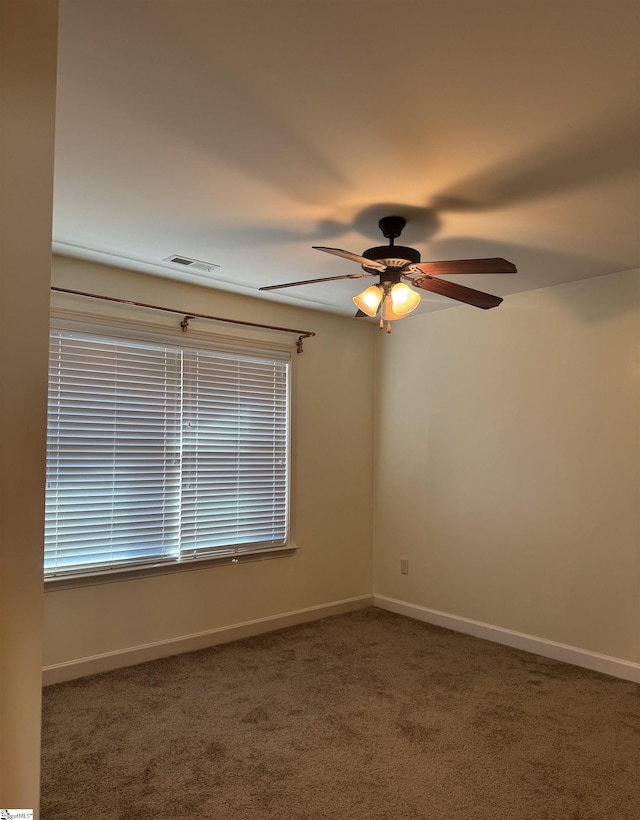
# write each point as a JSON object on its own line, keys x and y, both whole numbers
{"x": 160, "y": 453}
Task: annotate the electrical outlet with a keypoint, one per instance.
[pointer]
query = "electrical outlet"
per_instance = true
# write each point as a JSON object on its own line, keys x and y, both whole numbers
{"x": 404, "y": 566}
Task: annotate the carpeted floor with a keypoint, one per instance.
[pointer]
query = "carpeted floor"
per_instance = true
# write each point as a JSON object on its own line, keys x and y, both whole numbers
{"x": 368, "y": 715}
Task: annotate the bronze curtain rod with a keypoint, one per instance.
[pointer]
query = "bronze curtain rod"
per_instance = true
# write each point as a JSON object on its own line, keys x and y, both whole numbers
{"x": 184, "y": 324}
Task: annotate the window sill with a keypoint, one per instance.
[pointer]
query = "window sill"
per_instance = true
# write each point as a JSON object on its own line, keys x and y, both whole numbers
{"x": 136, "y": 573}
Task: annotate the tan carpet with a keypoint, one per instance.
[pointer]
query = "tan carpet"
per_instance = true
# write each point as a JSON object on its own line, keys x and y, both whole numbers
{"x": 366, "y": 715}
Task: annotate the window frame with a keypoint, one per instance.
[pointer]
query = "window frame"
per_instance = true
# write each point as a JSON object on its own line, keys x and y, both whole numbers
{"x": 163, "y": 333}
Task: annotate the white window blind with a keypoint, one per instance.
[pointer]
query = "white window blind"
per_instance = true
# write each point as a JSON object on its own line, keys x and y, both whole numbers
{"x": 158, "y": 453}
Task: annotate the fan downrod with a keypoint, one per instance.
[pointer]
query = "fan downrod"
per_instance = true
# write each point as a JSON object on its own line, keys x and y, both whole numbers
{"x": 391, "y": 226}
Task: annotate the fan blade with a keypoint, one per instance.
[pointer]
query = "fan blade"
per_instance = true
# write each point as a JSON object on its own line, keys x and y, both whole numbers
{"x": 466, "y": 266}
{"x": 462, "y": 294}
{"x": 360, "y": 313}
{"x": 361, "y": 260}
{"x": 313, "y": 281}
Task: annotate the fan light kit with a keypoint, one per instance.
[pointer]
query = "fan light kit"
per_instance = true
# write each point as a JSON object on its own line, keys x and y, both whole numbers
{"x": 392, "y": 297}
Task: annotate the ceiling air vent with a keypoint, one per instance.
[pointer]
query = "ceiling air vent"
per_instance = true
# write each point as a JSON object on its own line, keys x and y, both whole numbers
{"x": 192, "y": 264}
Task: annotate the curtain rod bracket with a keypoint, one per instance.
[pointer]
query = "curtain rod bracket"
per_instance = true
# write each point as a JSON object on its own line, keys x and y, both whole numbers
{"x": 184, "y": 324}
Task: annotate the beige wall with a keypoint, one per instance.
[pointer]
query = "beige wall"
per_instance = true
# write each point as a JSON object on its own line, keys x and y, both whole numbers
{"x": 506, "y": 471}
{"x": 333, "y": 466}
{"x": 508, "y": 464}
{"x": 28, "y": 73}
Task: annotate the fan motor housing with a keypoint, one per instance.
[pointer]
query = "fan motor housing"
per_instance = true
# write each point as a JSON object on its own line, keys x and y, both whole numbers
{"x": 394, "y": 256}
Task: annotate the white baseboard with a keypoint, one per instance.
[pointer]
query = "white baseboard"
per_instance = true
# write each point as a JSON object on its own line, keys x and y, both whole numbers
{"x": 618, "y": 668}
{"x": 58, "y": 672}
{"x": 69, "y": 670}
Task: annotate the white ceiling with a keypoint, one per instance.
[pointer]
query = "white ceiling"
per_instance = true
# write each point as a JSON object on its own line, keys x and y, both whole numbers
{"x": 244, "y": 132}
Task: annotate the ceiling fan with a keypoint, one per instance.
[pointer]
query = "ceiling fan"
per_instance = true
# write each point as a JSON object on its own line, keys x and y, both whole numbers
{"x": 394, "y": 263}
